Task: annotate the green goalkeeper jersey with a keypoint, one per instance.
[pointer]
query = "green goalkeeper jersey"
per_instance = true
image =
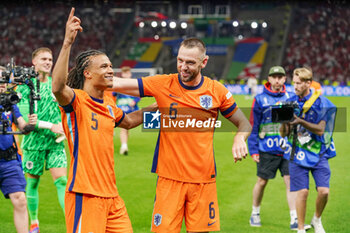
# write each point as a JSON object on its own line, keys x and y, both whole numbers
{"x": 47, "y": 110}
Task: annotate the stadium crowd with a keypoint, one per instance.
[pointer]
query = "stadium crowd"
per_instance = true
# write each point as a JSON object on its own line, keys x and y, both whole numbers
{"x": 22, "y": 28}
{"x": 320, "y": 38}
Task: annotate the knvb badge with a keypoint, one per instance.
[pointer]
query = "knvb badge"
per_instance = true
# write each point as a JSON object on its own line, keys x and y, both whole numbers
{"x": 151, "y": 120}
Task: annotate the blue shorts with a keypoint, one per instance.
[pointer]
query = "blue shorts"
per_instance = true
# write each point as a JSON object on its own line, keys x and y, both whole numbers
{"x": 299, "y": 176}
{"x": 11, "y": 177}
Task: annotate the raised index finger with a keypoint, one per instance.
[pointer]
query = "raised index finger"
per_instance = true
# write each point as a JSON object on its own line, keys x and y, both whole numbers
{"x": 71, "y": 14}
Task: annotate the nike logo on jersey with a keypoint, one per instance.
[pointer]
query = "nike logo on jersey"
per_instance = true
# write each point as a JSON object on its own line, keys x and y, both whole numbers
{"x": 209, "y": 224}
{"x": 174, "y": 96}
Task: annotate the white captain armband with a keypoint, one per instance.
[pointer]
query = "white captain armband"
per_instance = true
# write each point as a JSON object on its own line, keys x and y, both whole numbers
{"x": 44, "y": 125}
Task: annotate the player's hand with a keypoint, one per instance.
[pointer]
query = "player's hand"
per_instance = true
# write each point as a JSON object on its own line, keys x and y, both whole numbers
{"x": 256, "y": 158}
{"x": 57, "y": 128}
{"x": 32, "y": 119}
{"x": 72, "y": 28}
{"x": 239, "y": 149}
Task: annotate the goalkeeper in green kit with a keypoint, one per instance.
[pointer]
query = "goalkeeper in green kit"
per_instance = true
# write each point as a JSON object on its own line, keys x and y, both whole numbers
{"x": 43, "y": 148}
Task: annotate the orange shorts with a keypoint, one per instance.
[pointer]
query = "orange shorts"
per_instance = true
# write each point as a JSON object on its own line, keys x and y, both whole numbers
{"x": 197, "y": 202}
{"x": 88, "y": 213}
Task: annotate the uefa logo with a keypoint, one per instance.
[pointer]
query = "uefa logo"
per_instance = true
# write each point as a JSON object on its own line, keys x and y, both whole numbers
{"x": 151, "y": 120}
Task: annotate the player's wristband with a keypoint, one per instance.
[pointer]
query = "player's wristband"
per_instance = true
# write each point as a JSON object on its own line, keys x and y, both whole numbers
{"x": 44, "y": 125}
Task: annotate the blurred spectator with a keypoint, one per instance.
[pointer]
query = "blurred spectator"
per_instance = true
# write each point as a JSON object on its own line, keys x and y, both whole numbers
{"x": 320, "y": 38}
{"x": 23, "y": 28}
{"x": 252, "y": 84}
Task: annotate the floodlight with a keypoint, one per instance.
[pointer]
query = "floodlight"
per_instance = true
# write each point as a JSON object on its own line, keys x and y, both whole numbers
{"x": 254, "y": 25}
{"x": 172, "y": 25}
{"x": 235, "y": 23}
{"x": 154, "y": 24}
{"x": 183, "y": 25}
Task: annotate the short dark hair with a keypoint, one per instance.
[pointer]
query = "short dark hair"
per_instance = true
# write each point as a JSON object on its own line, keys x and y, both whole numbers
{"x": 194, "y": 43}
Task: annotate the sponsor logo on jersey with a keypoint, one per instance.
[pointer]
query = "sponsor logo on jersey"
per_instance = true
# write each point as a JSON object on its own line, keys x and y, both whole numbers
{"x": 209, "y": 224}
{"x": 174, "y": 96}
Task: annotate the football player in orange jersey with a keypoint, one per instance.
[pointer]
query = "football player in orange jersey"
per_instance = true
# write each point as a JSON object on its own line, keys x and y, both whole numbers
{"x": 184, "y": 157}
{"x": 92, "y": 202}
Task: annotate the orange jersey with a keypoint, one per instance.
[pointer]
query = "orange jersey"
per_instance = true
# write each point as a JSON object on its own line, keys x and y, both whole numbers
{"x": 316, "y": 86}
{"x": 88, "y": 124}
{"x": 110, "y": 94}
{"x": 186, "y": 155}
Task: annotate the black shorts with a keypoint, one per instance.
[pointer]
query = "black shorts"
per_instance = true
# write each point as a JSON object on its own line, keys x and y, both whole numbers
{"x": 268, "y": 165}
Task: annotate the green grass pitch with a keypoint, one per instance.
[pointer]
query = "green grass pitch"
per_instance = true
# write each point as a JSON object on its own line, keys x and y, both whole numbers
{"x": 136, "y": 185}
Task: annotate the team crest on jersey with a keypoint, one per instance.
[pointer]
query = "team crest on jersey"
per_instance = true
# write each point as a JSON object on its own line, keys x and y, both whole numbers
{"x": 206, "y": 101}
{"x": 29, "y": 165}
{"x": 157, "y": 219}
{"x": 110, "y": 110}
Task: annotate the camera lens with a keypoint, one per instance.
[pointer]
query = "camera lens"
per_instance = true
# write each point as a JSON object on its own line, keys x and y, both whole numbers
{"x": 14, "y": 99}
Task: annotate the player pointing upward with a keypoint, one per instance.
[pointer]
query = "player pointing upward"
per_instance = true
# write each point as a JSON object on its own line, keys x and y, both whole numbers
{"x": 89, "y": 117}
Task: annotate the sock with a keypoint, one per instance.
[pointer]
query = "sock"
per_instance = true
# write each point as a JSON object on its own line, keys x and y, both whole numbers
{"x": 124, "y": 146}
{"x": 316, "y": 218}
{"x": 60, "y": 184}
{"x": 293, "y": 216}
{"x": 256, "y": 210}
{"x": 33, "y": 198}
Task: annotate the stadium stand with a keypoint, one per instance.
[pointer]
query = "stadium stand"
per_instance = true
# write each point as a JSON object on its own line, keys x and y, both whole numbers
{"x": 24, "y": 28}
{"x": 320, "y": 39}
{"x": 318, "y": 35}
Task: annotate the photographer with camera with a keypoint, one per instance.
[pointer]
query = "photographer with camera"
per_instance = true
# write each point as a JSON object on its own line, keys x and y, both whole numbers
{"x": 264, "y": 143}
{"x": 44, "y": 143}
{"x": 311, "y": 148}
{"x": 12, "y": 181}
